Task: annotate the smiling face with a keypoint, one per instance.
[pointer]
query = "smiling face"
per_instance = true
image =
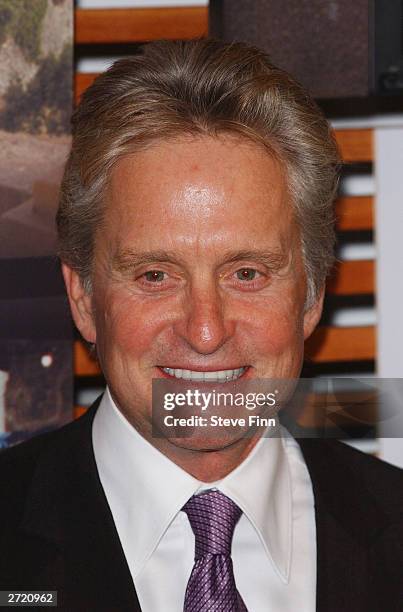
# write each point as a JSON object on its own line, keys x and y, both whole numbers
{"x": 198, "y": 269}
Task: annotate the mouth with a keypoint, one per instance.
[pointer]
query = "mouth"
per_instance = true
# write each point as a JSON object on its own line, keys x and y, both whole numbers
{"x": 217, "y": 376}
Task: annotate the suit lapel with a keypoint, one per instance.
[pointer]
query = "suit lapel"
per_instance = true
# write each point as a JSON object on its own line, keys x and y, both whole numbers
{"x": 68, "y": 510}
{"x": 346, "y": 520}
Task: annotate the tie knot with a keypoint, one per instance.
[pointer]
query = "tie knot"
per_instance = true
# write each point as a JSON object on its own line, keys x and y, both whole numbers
{"x": 212, "y": 516}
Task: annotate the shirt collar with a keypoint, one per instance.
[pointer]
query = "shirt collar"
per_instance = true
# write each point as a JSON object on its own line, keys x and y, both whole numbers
{"x": 261, "y": 487}
{"x": 148, "y": 490}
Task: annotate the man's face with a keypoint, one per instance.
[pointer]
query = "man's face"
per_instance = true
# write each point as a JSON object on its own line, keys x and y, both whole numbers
{"x": 198, "y": 268}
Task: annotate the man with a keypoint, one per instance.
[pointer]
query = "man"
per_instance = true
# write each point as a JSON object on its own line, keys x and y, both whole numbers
{"x": 196, "y": 233}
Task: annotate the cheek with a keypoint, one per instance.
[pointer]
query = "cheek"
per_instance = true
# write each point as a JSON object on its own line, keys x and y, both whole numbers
{"x": 127, "y": 327}
{"x": 276, "y": 327}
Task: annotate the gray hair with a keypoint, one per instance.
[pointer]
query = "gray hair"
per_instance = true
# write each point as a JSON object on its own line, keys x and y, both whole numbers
{"x": 203, "y": 87}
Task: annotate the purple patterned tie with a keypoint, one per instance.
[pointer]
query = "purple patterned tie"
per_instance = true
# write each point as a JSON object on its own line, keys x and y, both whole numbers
{"x": 211, "y": 587}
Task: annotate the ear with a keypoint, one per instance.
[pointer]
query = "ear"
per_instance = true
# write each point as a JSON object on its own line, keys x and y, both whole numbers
{"x": 313, "y": 313}
{"x": 80, "y": 304}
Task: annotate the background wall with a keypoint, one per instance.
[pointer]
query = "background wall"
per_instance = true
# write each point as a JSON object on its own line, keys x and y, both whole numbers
{"x": 36, "y": 56}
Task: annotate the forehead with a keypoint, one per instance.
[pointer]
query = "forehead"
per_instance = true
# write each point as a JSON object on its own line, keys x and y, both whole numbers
{"x": 207, "y": 186}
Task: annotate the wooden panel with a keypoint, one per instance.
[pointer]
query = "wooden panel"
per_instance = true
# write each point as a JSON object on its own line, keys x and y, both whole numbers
{"x": 326, "y": 344}
{"x": 341, "y": 344}
{"x": 84, "y": 363}
{"x": 352, "y": 278}
{"x": 81, "y": 82}
{"x": 139, "y": 24}
{"x": 79, "y": 411}
{"x": 344, "y": 409}
{"x": 355, "y": 213}
{"x": 355, "y": 145}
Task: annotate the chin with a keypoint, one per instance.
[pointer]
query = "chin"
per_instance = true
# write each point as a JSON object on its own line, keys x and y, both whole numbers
{"x": 206, "y": 443}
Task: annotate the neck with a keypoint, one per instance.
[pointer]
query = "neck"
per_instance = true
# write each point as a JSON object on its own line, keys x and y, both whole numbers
{"x": 204, "y": 455}
{"x": 206, "y": 464}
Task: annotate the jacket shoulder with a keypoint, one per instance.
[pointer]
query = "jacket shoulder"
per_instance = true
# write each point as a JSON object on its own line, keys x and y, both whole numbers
{"x": 370, "y": 466}
{"x": 18, "y": 465}
{"x": 383, "y": 481}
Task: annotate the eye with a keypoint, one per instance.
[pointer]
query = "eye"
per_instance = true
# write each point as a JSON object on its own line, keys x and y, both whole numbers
{"x": 154, "y": 276}
{"x": 246, "y": 274}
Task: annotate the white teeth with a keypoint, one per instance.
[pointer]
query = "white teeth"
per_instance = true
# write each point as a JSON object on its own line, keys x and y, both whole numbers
{"x": 218, "y": 376}
{"x": 199, "y": 376}
{"x": 210, "y": 375}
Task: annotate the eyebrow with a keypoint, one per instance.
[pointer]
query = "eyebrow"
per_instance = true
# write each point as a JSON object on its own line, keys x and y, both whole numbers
{"x": 129, "y": 259}
{"x": 274, "y": 259}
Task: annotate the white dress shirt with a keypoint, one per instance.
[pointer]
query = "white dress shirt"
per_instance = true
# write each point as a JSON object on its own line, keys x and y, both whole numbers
{"x": 274, "y": 543}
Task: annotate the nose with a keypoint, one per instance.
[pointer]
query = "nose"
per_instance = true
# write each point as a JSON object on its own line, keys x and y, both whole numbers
{"x": 204, "y": 324}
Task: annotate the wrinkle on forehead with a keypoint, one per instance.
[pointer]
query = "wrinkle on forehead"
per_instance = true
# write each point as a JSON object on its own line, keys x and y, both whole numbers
{"x": 198, "y": 194}
{"x": 159, "y": 152}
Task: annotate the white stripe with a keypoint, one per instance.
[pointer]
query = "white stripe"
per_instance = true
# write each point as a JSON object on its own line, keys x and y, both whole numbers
{"x": 357, "y": 185}
{"x": 356, "y": 252}
{"x": 353, "y": 317}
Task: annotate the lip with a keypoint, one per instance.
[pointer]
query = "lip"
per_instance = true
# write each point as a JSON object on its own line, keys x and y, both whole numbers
{"x": 163, "y": 374}
{"x": 199, "y": 369}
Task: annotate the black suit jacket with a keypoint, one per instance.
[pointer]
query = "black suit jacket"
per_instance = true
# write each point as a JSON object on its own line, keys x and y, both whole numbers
{"x": 57, "y": 531}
